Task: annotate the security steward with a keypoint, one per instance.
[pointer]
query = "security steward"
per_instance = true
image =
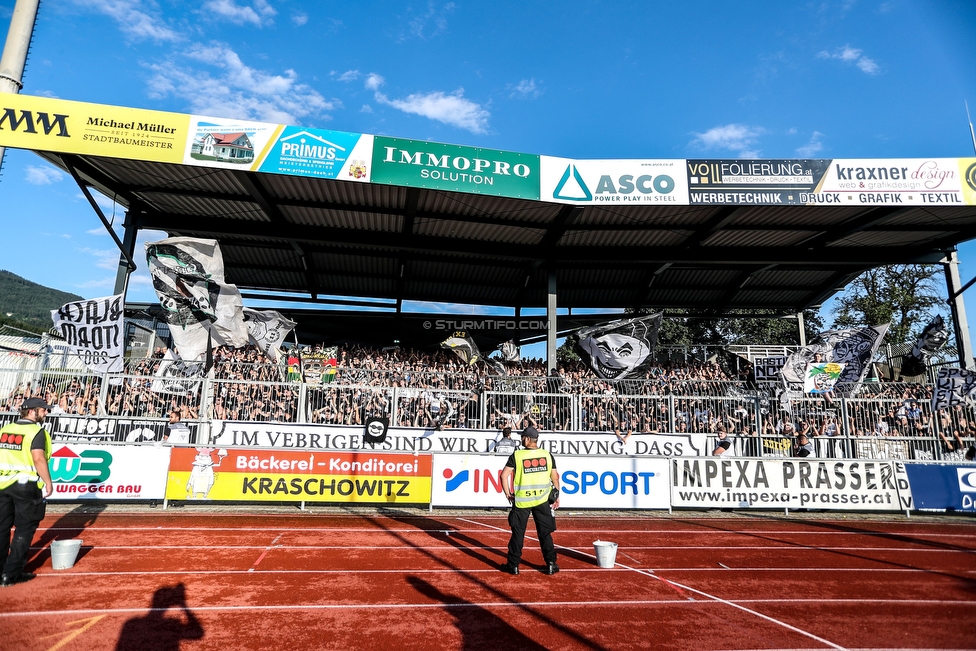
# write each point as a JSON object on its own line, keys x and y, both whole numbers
{"x": 25, "y": 482}
{"x": 531, "y": 484}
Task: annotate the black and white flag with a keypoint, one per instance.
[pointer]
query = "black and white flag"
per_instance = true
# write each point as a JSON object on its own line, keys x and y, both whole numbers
{"x": 953, "y": 386}
{"x": 267, "y": 329}
{"x": 510, "y": 352}
{"x": 619, "y": 349}
{"x": 92, "y": 329}
{"x": 177, "y": 376}
{"x": 854, "y": 348}
{"x": 933, "y": 337}
{"x": 188, "y": 276}
{"x": 464, "y": 346}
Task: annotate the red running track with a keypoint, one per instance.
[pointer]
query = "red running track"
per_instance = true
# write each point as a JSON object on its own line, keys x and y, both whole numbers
{"x": 410, "y": 580}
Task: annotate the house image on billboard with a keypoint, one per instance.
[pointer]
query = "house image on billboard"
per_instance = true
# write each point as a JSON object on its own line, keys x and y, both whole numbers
{"x": 228, "y": 147}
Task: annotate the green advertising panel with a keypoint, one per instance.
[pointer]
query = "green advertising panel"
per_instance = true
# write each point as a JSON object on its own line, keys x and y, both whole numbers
{"x": 419, "y": 164}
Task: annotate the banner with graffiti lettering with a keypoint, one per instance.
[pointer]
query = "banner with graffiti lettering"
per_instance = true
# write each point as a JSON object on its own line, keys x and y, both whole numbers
{"x": 218, "y": 473}
{"x": 953, "y": 386}
{"x": 852, "y": 349}
{"x": 92, "y": 330}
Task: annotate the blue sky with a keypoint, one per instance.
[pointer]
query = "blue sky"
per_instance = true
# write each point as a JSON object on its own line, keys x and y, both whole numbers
{"x": 713, "y": 79}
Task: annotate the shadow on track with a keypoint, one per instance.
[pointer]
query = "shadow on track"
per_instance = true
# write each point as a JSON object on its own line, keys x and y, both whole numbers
{"x": 479, "y": 627}
{"x": 70, "y": 525}
{"x": 157, "y": 631}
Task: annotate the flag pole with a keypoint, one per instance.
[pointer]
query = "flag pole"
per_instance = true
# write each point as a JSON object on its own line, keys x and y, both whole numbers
{"x": 972, "y": 134}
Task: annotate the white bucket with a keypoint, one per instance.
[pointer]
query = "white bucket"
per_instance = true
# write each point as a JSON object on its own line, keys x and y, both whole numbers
{"x": 606, "y": 553}
{"x": 64, "y": 553}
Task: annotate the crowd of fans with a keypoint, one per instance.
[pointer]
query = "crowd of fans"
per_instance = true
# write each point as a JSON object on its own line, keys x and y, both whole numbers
{"x": 439, "y": 390}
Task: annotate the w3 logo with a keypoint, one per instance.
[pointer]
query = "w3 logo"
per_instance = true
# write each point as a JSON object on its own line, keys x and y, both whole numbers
{"x": 90, "y": 466}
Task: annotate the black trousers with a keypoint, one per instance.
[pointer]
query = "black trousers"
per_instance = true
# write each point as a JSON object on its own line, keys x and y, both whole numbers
{"x": 545, "y": 524}
{"x": 21, "y": 506}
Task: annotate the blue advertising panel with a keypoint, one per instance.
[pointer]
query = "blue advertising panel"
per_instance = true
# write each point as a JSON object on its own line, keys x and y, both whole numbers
{"x": 311, "y": 152}
{"x": 943, "y": 486}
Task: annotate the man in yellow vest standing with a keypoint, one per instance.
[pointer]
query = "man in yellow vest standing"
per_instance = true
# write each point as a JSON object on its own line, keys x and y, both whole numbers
{"x": 25, "y": 482}
{"x": 529, "y": 479}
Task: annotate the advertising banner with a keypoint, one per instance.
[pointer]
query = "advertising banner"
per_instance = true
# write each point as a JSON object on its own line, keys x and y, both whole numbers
{"x": 463, "y": 441}
{"x": 58, "y": 125}
{"x": 794, "y": 483}
{"x": 943, "y": 486}
{"x": 419, "y": 164}
{"x": 616, "y": 182}
{"x": 228, "y": 143}
{"x": 103, "y": 429}
{"x": 301, "y": 151}
{"x": 110, "y": 472}
{"x": 753, "y": 182}
{"x": 967, "y": 168}
{"x": 890, "y": 182}
{"x": 209, "y": 473}
{"x": 586, "y": 482}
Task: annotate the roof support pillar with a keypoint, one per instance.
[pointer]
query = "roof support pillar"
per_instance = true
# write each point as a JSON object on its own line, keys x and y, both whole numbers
{"x": 551, "y": 323}
{"x": 959, "y": 321}
{"x": 801, "y": 326}
{"x": 128, "y": 249}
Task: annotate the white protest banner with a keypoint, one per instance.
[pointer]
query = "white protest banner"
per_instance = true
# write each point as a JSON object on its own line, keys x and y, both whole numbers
{"x": 92, "y": 329}
{"x": 117, "y": 472}
{"x": 788, "y": 483}
{"x": 462, "y": 441}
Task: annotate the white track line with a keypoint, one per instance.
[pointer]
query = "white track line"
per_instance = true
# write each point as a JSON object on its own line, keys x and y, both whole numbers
{"x": 707, "y": 596}
{"x": 483, "y": 604}
{"x": 150, "y": 548}
{"x": 696, "y": 532}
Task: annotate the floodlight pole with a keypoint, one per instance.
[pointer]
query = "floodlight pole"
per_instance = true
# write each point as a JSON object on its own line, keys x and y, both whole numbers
{"x": 15, "y": 50}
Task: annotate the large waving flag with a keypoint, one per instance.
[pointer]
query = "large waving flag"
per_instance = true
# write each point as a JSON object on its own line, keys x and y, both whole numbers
{"x": 188, "y": 276}
{"x": 621, "y": 348}
{"x": 933, "y": 337}
{"x": 953, "y": 387}
{"x": 853, "y": 349}
{"x": 463, "y": 345}
{"x": 266, "y": 329}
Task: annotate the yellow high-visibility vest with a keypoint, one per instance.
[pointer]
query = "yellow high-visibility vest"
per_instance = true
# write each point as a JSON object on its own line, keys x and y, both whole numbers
{"x": 16, "y": 461}
{"x": 533, "y": 481}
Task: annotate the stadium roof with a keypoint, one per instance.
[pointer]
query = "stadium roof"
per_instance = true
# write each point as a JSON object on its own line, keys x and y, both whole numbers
{"x": 322, "y": 213}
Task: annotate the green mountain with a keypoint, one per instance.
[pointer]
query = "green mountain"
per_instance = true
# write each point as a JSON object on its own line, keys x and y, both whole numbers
{"x": 25, "y": 303}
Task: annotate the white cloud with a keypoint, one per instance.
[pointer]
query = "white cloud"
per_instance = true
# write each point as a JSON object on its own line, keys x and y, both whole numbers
{"x": 374, "y": 81}
{"x": 813, "y": 147}
{"x": 236, "y": 90}
{"x": 366, "y": 109}
{"x": 299, "y": 19}
{"x": 526, "y": 89}
{"x": 349, "y": 75}
{"x": 258, "y": 14}
{"x": 42, "y": 175}
{"x": 851, "y": 55}
{"x": 132, "y": 19}
{"x": 731, "y": 137}
{"x": 450, "y": 109}
{"x": 104, "y": 258}
{"x": 432, "y": 22}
